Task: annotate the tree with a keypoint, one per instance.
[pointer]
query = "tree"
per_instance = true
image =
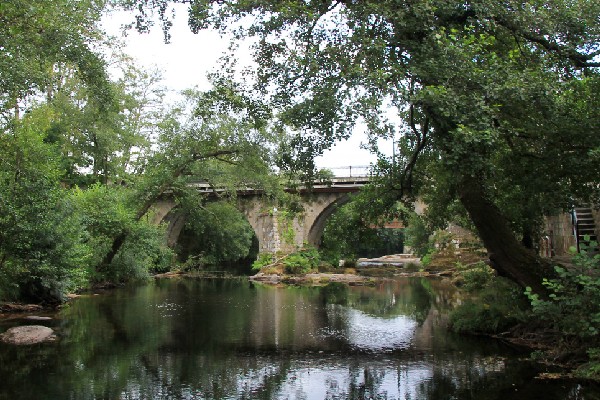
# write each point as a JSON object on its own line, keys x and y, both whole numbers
{"x": 104, "y": 145}
{"x": 499, "y": 93}
{"x": 215, "y": 233}
{"x": 35, "y": 36}
{"x": 42, "y": 252}
{"x": 197, "y": 142}
{"x": 62, "y": 118}
{"x": 105, "y": 212}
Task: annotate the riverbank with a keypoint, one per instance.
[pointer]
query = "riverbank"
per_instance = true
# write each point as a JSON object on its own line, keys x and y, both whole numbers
{"x": 311, "y": 279}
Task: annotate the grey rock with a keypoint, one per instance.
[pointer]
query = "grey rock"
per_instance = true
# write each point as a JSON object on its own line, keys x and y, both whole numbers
{"x": 37, "y": 318}
{"x": 28, "y": 334}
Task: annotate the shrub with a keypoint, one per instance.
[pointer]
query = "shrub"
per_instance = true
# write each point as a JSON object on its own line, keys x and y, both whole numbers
{"x": 43, "y": 255}
{"x": 144, "y": 252}
{"x": 263, "y": 260}
{"x": 476, "y": 277}
{"x": 573, "y": 304}
{"x": 417, "y": 236}
{"x": 107, "y": 212}
{"x": 591, "y": 369}
{"x": 499, "y": 306}
{"x": 301, "y": 262}
{"x": 427, "y": 258}
{"x": 326, "y": 268}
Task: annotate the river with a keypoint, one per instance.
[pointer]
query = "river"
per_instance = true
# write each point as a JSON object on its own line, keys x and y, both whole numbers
{"x": 232, "y": 339}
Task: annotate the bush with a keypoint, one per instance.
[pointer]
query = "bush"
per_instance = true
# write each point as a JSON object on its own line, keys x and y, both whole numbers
{"x": 417, "y": 236}
{"x": 591, "y": 369}
{"x": 302, "y": 261}
{"x": 573, "y": 305}
{"x": 427, "y": 258}
{"x": 42, "y": 251}
{"x": 263, "y": 260}
{"x": 327, "y": 268}
{"x": 107, "y": 212}
{"x": 144, "y": 252}
{"x": 499, "y": 306}
{"x": 475, "y": 277}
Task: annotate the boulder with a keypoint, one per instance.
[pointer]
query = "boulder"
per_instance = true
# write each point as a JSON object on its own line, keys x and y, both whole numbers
{"x": 27, "y": 334}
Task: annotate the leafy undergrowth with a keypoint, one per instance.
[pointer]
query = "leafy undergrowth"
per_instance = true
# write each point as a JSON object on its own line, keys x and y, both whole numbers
{"x": 303, "y": 261}
{"x": 495, "y": 306}
{"x": 563, "y": 327}
{"x": 572, "y": 312}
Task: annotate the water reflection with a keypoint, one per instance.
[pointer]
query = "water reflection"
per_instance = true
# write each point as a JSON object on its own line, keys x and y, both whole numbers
{"x": 226, "y": 339}
{"x": 365, "y": 332}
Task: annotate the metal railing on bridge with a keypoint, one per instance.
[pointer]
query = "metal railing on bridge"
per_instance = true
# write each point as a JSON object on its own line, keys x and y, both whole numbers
{"x": 350, "y": 171}
{"x": 345, "y": 176}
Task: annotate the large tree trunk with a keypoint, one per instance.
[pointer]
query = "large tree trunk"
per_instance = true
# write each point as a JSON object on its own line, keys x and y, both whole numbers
{"x": 507, "y": 255}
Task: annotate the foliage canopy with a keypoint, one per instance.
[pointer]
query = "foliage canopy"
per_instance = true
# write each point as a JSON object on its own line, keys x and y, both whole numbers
{"x": 496, "y": 100}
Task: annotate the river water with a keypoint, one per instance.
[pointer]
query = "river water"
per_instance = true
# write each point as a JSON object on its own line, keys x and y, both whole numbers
{"x": 232, "y": 339}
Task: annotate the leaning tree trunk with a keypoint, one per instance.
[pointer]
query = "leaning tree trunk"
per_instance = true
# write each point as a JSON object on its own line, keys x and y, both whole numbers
{"x": 508, "y": 256}
{"x": 119, "y": 240}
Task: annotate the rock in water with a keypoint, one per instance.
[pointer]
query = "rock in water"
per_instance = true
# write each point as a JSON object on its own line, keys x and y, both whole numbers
{"x": 37, "y": 318}
{"x": 28, "y": 334}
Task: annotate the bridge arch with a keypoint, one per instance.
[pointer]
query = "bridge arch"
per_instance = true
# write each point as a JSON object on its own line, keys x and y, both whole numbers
{"x": 190, "y": 242}
{"x": 270, "y": 229}
{"x": 165, "y": 211}
{"x": 317, "y": 227}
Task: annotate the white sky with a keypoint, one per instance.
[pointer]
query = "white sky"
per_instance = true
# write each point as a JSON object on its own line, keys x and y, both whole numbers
{"x": 189, "y": 57}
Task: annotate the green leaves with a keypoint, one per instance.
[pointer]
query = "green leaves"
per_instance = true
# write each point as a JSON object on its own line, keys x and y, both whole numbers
{"x": 108, "y": 212}
{"x": 37, "y": 35}
{"x": 573, "y": 306}
{"x": 41, "y": 249}
{"x": 214, "y": 234}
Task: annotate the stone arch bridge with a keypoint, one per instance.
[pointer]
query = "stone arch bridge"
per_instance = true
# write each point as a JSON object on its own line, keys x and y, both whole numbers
{"x": 274, "y": 231}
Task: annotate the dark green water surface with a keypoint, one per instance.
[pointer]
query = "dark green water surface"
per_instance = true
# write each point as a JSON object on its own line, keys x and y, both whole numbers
{"x": 231, "y": 339}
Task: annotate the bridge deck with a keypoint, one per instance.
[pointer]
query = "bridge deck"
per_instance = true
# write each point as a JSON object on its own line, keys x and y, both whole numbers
{"x": 341, "y": 184}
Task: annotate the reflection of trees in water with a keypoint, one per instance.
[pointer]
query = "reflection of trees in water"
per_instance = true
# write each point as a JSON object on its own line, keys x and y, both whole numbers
{"x": 487, "y": 378}
{"x": 209, "y": 377}
{"x": 335, "y": 293}
{"x": 402, "y": 377}
{"x": 410, "y": 297}
{"x": 132, "y": 355}
{"x": 216, "y": 339}
{"x": 388, "y": 299}
{"x": 286, "y": 319}
{"x": 364, "y": 383}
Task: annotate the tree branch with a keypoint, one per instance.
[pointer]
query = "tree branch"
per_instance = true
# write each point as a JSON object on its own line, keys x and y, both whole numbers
{"x": 231, "y": 162}
{"x": 421, "y": 142}
{"x": 579, "y": 60}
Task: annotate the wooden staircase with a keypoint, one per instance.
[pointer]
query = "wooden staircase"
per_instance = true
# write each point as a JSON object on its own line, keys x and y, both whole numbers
{"x": 586, "y": 227}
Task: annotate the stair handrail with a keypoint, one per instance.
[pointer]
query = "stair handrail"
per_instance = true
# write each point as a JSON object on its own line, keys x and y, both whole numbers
{"x": 575, "y": 223}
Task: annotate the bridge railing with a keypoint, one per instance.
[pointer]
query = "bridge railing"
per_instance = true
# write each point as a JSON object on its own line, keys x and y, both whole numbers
{"x": 351, "y": 171}
{"x": 344, "y": 175}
